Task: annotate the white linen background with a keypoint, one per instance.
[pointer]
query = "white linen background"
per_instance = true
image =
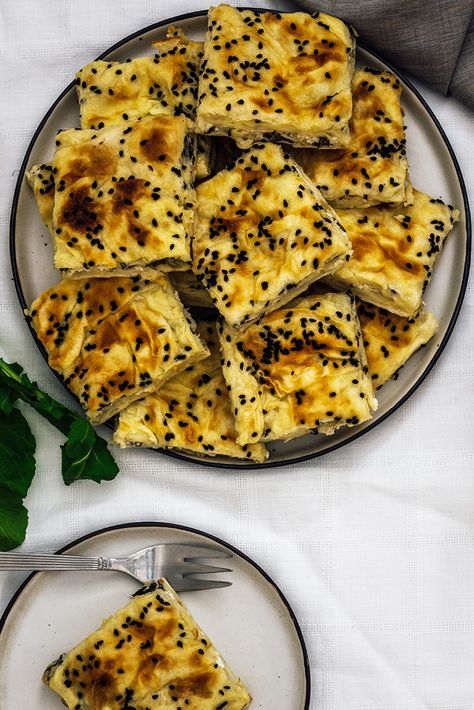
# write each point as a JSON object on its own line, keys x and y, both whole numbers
{"x": 372, "y": 544}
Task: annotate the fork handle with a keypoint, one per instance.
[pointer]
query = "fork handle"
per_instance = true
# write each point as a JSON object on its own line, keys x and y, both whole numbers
{"x": 14, "y": 561}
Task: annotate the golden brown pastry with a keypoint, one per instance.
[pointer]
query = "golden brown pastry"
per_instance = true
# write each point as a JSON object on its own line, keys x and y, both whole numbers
{"x": 179, "y": 61}
{"x": 272, "y": 76}
{"x": 123, "y": 197}
{"x": 373, "y": 168}
{"x": 114, "y": 340}
{"x": 150, "y": 655}
{"x": 395, "y": 249}
{"x": 192, "y": 411}
{"x": 116, "y": 92}
{"x": 167, "y": 83}
{"x": 41, "y": 180}
{"x": 389, "y": 340}
{"x": 263, "y": 233}
{"x": 300, "y": 369}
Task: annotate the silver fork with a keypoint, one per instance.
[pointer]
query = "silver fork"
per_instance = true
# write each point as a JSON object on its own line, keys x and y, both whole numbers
{"x": 176, "y": 562}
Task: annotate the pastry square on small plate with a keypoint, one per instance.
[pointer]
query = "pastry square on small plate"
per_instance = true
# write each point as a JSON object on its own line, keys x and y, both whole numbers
{"x": 149, "y": 655}
{"x": 373, "y": 168}
{"x": 389, "y": 340}
{"x": 395, "y": 249}
{"x": 123, "y": 197}
{"x": 114, "y": 92}
{"x": 301, "y": 369}
{"x": 263, "y": 233}
{"x": 114, "y": 340}
{"x": 192, "y": 411}
{"x": 272, "y": 76}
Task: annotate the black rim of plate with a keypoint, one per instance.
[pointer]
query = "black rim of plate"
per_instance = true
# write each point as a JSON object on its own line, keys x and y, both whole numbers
{"x": 213, "y": 538}
{"x": 244, "y": 466}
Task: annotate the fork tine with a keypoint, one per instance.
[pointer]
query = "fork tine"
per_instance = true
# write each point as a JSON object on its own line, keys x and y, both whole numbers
{"x": 190, "y": 552}
{"x": 186, "y": 569}
{"x": 189, "y": 584}
{"x": 204, "y": 569}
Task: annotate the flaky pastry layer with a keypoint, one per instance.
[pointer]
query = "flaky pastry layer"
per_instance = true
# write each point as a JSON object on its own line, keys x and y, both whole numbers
{"x": 263, "y": 233}
{"x": 394, "y": 251}
{"x": 373, "y": 168}
{"x": 279, "y": 77}
{"x": 150, "y": 655}
{"x": 390, "y": 340}
{"x": 301, "y": 369}
{"x": 192, "y": 411}
{"x": 114, "y": 340}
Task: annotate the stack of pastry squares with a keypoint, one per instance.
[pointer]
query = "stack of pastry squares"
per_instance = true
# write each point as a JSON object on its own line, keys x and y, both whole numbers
{"x": 120, "y": 195}
{"x": 305, "y": 243}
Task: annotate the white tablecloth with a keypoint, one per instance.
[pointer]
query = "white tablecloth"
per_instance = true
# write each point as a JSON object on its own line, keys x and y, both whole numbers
{"x": 373, "y": 544}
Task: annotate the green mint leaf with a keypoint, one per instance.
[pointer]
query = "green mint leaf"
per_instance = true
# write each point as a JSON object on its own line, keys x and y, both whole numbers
{"x": 13, "y": 520}
{"x": 80, "y": 438}
{"x": 16, "y": 368}
{"x": 8, "y": 398}
{"x": 58, "y": 415}
{"x": 86, "y": 455}
{"x": 17, "y": 453}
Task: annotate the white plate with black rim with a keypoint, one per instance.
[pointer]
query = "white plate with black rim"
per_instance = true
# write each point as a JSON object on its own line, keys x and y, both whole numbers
{"x": 251, "y": 623}
{"x": 433, "y": 169}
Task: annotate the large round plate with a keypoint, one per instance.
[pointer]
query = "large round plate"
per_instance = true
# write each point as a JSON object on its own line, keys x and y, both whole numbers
{"x": 434, "y": 169}
{"x": 251, "y": 623}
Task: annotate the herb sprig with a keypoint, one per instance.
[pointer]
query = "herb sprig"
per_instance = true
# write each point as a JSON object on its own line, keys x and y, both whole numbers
{"x": 84, "y": 455}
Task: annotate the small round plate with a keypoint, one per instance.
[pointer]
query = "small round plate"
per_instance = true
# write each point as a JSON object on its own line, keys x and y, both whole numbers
{"x": 251, "y": 623}
{"x": 433, "y": 169}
